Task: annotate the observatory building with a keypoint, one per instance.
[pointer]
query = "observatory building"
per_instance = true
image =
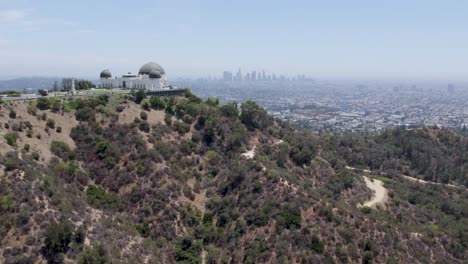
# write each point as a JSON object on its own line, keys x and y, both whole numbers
{"x": 151, "y": 77}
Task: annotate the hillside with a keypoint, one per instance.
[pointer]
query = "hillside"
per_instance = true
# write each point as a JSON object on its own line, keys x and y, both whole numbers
{"x": 109, "y": 180}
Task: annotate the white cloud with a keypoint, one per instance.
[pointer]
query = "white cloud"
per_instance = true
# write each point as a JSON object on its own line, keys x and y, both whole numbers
{"x": 14, "y": 15}
{"x": 26, "y": 20}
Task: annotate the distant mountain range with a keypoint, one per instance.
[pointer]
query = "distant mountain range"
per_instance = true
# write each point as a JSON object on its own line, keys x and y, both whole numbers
{"x": 22, "y": 83}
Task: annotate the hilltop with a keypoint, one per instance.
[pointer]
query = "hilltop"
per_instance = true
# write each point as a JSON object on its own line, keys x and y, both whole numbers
{"x": 117, "y": 179}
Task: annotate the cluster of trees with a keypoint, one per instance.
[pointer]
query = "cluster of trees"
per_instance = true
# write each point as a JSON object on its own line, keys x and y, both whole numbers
{"x": 66, "y": 85}
{"x": 436, "y": 155}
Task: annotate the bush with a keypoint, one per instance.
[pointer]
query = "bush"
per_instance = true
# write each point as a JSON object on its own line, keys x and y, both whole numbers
{"x": 43, "y": 103}
{"x": 95, "y": 255}
{"x": 119, "y": 108}
{"x": 44, "y": 116}
{"x": 85, "y": 114}
{"x": 254, "y": 117}
{"x": 157, "y": 103}
{"x": 59, "y": 129}
{"x": 181, "y": 127}
{"x": 187, "y": 251}
{"x": 230, "y": 110}
{"x": 145, "y": 104}
{"x": 57, "y": 241}
{"x": 143, "y": 229}
{"x": 32, "y": 110}
{"x": 35, "y": 155}
{"x": 6, "y": 203}
{"x": 316, "y": 245}
{"x": 11, "y": 164}
{"x": 289, "y": 217}
{"x": 144, "y": 126}
{"x": 143, "y": 115}
{"x": 56, "y": 106}
{"x": 12, "y": 114}
{"x": 139, "y": 96}
{"x": 26, "y": 147}
{"x": 99, "y": 198}
{"x": 366, "y": 209}
{"x": 50, "y": 123}
{"x": 61, "y": 150}
{"x": 11, "y": 138}
{"x": 168, "y": 119}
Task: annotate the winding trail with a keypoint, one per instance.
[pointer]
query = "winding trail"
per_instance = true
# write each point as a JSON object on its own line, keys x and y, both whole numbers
{"x": 380, "y": 192}
{"x": 249, "y": 154}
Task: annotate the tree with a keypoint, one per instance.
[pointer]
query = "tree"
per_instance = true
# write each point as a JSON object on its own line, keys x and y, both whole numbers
{"x": 67, "y": 84}
{"x": 230, "y": 110}
{"x": 43, "y": 103}
{"x": 187, "y": 251}
{"x": 253, "y": 116}
{"x": 57, "y": 241}
{"x": 139, "y": 96}
{"x": 95, "y": 255}
{"x": 157, "y": 103}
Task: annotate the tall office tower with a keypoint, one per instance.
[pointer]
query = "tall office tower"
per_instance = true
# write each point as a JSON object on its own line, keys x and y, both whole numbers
{"x": 263, "y": 75}
{"x": 247, "y": 77}
{"x": 227, "y": 76}
{"x": 239, "y": 75}
{"x": 253, "y": 76}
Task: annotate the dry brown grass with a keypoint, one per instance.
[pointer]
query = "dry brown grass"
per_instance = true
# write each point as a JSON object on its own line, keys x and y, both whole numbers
{"x": 42, "y": 146}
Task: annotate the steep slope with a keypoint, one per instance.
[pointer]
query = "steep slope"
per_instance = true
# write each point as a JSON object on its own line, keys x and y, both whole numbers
{"x": 166, "y": 181}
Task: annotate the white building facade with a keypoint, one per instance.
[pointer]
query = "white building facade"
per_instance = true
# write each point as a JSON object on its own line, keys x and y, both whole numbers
{"x": 151, "y": 77}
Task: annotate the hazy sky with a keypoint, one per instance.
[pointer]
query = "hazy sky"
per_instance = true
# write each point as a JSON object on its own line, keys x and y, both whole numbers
{"x": 347, "y": 39}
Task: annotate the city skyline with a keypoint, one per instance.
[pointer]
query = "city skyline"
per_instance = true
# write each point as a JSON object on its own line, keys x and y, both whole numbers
{"x": 417, "y": 40}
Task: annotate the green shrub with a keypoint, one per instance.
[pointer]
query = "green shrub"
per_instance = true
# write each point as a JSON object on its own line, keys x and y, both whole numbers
{"x": 50, "y": 123}
{"x": 6, "y": 203}
{"x": 57, "y": 238}
{"x": 61, "y": 150}
{"x": 32, "y": 110}
{"x": 366, "y": 209}
{"x": 29, "y": 133}
{"x": 35, "y": 155}
{"x": 168, "y": 119}
{"x": 95, "y": 255}
{"x": 59, "y": 129}
{"x": 253, "y": 116}
{"x": 181, "y": 127}
{"x": 44, "y": 116}
{"x": 145, "y": 104}
{"x": 289, "y": 217}
{"x": 85, "y": 114}
{"x": 143, "y": 229}
{"x": 316, "y": 245}
{"x": 12, "y": 114}
{"x": 157, "y": 103}
{"x": 43, "y": 103}
{"x": 11, "y": 138}
{"x": 26, "y": 147}
{"x": 12, "y": 164}
{"x": 144, "y": 126}
{"x": 139, "y": 96}
{"x": 143, "y": 115}
{"x": 99, "y": 198}
{"x": 187, "y": 251}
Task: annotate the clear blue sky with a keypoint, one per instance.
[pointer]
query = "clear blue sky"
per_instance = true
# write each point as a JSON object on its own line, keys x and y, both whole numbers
{"x": 417, "y": 39}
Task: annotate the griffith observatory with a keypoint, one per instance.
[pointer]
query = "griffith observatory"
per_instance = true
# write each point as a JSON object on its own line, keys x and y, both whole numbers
{"x": 150, "y": 77}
